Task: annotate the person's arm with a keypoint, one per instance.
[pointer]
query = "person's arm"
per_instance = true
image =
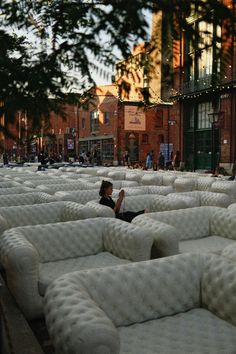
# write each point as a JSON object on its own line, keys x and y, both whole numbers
{"x": 119, "y": 201}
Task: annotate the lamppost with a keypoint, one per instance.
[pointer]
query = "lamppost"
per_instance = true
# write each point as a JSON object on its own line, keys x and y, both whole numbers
{"x": 217, "y": 120}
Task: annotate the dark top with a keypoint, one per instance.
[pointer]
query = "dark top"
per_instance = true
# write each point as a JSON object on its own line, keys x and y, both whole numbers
{"x": 108, "y": 201}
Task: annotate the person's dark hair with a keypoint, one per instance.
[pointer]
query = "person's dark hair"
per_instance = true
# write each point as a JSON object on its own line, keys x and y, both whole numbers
{"x": 104, "y": 186}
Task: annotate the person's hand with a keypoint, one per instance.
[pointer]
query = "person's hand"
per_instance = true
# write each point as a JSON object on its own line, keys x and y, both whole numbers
{"x": 121, "y": 194}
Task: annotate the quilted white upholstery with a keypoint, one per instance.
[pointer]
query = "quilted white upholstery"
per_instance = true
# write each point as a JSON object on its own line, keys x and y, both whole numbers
{"x": 230, "y": 252}
{"x": 101, "y": 210}
{"x": 154, "y": 202}
{"x": 15, "y": 190}
{"x": 81, "y": 196}
{"x": 25, "y": 198}
{"x": 133, "y": 176}
{"x": 228, "y": 187}
{"x": 182, "y": 184}
{"x": 120, "y": 175}
{"x": 158, "y": 310}
{"x": 45, "y": 213}
{"x": 35, "y": 183}
{"x": 9, "y": 184}
{"x": 206, "y": 198}
{"x": 51, "y": 189}
{"x": 199, "y": 229}
{"x": 34, "y": 255}
{"x": 205, "y": 183}
{"x": 152, "y": 179}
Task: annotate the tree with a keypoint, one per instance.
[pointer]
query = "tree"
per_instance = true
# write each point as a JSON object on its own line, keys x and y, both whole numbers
{"x": 41, "y": 41}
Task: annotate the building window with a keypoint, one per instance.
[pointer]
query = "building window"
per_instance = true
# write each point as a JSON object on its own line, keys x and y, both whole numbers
{"x": 108, "y": 149}
{"x": 144, "y": 139}
{"x": 94, "y": 121}
{"x": 201, "y": 59}
{"x": 83, "y": 123}
{"x": 106, "y": 117}
{"x": 204, "y": 109}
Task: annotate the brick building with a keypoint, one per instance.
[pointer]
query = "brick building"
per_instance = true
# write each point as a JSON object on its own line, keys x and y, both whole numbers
{"x": 204, "y": 92}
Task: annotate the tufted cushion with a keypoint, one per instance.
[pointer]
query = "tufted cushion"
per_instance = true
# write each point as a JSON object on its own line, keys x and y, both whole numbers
{"x": 230, "y": 252}
{"x": 157, "y": 309}
{"x": 151, "y": 179}
{"x": 166, "y": 237}
{"x": 15, "y": 190}
{"x": 61, "y": 241}
{"x": 196, "y": 331}
{"x": 25, "y": 198}
{"x": 51, "y": 189}
{"x": 101, "y": 210}
{"x": 191, "y": 223}
{"x": 9, "y": 184}
{"x": 81, "y": 196}
{"x": 205, "y": 183}
{"x": 52, "y": 270}
{"x": 168, "y": 180}
{"x": 30, "y": 254}
{"x": 228, "y": 187}
{"x": 207, "y": 198}
{"x": 223, "y": 223}
{"x": 123, "y": 310}
{"x": 211, "y": 244}
{"x": 45, "y": 213}
{"x": 184, "y": 184}
{"x": 219, "y": 287}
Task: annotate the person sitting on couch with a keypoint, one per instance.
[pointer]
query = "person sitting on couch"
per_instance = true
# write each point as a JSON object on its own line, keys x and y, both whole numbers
{"x": 106, "y": 199}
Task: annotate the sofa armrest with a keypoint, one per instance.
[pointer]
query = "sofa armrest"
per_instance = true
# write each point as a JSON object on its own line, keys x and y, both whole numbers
{"x": 166, "y": 237}
{"x": 101, "y": 210}
{"x": 21, "y": 262}
{"x": 75, "y": 322}
{"x": 126, "y": 240}
{"x": 75, "y": 211}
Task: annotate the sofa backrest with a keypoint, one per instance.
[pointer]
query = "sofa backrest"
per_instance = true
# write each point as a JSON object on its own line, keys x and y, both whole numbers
{"x": 45, "y": 213}
{"x": 218, "y": 285}
{"x": 25, "y": 198}
{"x": 137, "y": 202}
{"x": 136, "y": 292}
{"x": 32, "y": 214}
{"x": 81, "y": 196}
{"x": 191, "y": 222}
{"x": 65, "y": 240}
{"x": 51, "y": 189}
{"x": 223, "y": 223}
{"x": 15, "y": 190}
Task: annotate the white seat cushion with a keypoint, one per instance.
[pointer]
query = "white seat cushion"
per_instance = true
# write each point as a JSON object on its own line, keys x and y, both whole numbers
{"x": 52, "y": 270}
{"x": 197, "y": 331}
{"x": 213, "y": 244}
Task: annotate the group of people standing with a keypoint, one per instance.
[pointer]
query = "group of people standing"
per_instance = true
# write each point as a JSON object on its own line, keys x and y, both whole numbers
{"x": 173, "y": 163}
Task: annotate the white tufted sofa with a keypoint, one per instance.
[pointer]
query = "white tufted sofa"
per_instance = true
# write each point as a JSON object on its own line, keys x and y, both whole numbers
{"x": 154, "y": 202}
{"x": 52, "y": 212}
{"x": 25, "y": 198}
{"x": 228, "y": 187}
{"x": 200, "y": 229}
{"x": 9, "y": 184}
{"x": 206, "y": 198}
{"x": 51, "y": 189}
{"x": 176, "y": 305}
{"x": 80, "y": 196}
{"x": 137, "y": 202}
{"x": 33, "y": 256}
{"x": 15, "y": 190}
